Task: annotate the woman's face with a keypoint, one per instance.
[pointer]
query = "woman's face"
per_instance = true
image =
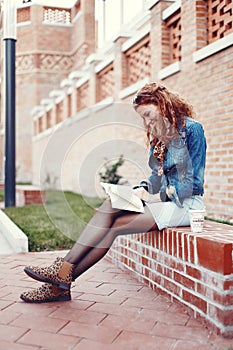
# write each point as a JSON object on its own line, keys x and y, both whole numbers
{"x": 152, "y": 119}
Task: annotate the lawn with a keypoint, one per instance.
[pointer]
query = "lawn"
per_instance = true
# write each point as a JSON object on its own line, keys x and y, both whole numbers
{"x": 57, "y": 224}
{"x": 1, "y": 196}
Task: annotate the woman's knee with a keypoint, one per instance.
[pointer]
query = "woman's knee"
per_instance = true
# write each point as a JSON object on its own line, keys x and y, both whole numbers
{"x": 106, "y": 208}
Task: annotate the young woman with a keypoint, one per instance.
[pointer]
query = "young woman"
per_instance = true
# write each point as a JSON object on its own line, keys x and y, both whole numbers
{"x": 177, "y": 159}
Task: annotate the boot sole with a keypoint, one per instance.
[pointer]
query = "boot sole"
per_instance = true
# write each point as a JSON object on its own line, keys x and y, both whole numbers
{"x": 58, "y": 298}
{"x": 40, "y": 278}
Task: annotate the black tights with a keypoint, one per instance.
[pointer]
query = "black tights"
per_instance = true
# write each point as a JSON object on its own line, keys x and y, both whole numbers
{"x": 101, "y": 231}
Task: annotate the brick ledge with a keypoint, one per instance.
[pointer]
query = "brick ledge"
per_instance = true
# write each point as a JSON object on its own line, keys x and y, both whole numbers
{"x": 194, "y": 269}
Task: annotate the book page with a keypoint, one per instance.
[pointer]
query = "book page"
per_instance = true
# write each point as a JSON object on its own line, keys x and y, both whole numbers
{"x": 122, "y": 197}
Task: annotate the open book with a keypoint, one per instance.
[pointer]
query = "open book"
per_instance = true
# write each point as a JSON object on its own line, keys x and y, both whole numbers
{"x": 122, "y": 197}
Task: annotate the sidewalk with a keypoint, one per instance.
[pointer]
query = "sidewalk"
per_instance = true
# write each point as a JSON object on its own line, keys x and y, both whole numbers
{"x": 109, "y": 310}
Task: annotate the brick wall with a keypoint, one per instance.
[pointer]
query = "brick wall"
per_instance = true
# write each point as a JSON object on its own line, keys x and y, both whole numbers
{"x": 173, "y": 45}
{"x": 47, "y": 50}
{"x": 192, "y": 269}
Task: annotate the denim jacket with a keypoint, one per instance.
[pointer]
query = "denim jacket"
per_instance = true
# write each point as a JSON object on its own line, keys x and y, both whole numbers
{"x": 183, "y": 166}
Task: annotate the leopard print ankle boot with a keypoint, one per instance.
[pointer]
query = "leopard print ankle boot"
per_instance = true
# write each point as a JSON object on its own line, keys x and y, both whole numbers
{"x": 59, "y": 273}
{"x": 46, "y": 293}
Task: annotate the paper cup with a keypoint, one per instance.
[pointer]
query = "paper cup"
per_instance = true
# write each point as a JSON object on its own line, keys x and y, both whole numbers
{"x": 196, "y": 220}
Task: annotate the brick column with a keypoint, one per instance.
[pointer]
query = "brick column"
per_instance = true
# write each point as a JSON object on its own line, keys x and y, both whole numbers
{"x": 188, "y": 25}
{"x": 88, "y": 10}
{"x": 120, "y": 74}
{"x": 74, "y": 95}
{"x": 92, "y": 84}
{"x": 66, "y": 85}
{"x": 159, "y": 46}
{"x": 201, "y": 24}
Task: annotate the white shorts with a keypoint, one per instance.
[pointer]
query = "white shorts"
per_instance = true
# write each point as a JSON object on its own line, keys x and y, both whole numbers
{"x": 168, "y": 214}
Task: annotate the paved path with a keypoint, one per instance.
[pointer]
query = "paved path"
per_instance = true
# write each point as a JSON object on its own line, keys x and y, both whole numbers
{"x": 109, "y": 311}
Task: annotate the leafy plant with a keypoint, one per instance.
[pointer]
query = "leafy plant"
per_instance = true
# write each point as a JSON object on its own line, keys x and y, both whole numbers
{"x": 50, "y": 181}
{"x": 109, "y": 173}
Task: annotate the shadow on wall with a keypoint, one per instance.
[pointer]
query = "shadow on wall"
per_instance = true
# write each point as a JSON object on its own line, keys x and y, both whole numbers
{"x": 75, "y": 153}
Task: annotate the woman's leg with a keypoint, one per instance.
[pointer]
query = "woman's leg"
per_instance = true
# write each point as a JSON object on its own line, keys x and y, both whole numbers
{"x": 95, "y": 242}
{"x": 126, "y": 224}
{"x": 94, "y": 232}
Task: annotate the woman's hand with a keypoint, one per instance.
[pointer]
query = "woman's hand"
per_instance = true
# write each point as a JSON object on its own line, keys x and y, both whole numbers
{"x": 170, "y": 191}
{"x": 141, "y": 193}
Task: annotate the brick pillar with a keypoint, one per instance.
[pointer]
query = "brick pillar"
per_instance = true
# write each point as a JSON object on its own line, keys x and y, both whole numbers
{"x": 74, "y": 99}
{"x": 188, "y": 25}
{"x": 119, "y": 63}
{"x": 201, "y": 24}
{"x": 53, "y": 115}
{"x": 92, "y": 84}
{"x": 193, "y": 36}
{"x": 88, "y": 9}
{"x": 66, "y": 85}
{"x": 74, "y": 77}
{"x": 159, "y": 39}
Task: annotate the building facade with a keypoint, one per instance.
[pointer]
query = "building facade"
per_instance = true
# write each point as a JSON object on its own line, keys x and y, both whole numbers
{"x": 77, "y": 98}
{"x": 51, "y": 42}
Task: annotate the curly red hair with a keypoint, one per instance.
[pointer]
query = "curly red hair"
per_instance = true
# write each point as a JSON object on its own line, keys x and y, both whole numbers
{"x": 171, "y": 106}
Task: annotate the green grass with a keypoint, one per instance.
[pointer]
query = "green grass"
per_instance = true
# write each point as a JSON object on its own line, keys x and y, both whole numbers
{"x": 219, "y": 220}
{"x": 1, "y": 196}
{"x": 58, "y": 223}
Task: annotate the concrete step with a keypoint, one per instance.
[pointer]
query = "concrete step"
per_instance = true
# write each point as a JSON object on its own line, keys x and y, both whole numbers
{"x": 5, "y": 247}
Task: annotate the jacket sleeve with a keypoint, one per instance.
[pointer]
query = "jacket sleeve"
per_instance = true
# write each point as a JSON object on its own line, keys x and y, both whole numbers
{"x": 154, "y": 181}
{"x": 194, "y": 177}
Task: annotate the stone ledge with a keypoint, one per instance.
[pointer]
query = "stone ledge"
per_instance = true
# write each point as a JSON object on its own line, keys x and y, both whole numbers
{"x": 195, "y": 269}
{"x": 12, "y": 233}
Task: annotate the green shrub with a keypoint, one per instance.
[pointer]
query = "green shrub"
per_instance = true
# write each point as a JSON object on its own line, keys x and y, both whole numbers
{"x": 109, "y": 173}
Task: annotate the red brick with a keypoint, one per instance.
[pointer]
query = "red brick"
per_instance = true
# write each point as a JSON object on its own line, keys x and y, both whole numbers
{"x": 184, "y": 281}
{"x": 159, "y": 268}
{"x": 160, "y": 245}
{"x": 180, "y": 244}
{"x": 156, "y": 277}
{"x": 170, "y": 242}
{"x": 49, "y": 340}
{"x": 223, "y": 299}
{"x": 174, "y": 243}
{"x": 171, "y": 287}
{"x": 165, "y": 241}
{"x": 193, "y": 272}
{"x": 168, "y": 272}
{"x": 223, "y": 316}
{"x": 191, "y": 249}
{"x": 201, "y": 288}
{"x": 98, "y": 333}
{"x": 228, "y": 285}
{"x": 214, "y": 255}
{"x": 194, "y": 300}
{"x": 174, "y": 264}
{"x": 186, "y": 247}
